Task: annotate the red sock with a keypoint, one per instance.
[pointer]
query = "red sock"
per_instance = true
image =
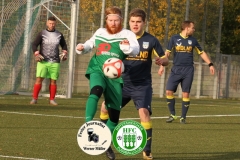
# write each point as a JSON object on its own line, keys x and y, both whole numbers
{"x": 52, "y": 90}
{"x": 36, "y": 90}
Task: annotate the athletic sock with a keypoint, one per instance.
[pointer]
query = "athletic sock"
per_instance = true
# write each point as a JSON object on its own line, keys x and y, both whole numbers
{"x": 36, "y": 90}
{"x": 185, "y": 106}
{"x": 148, "y": 127}
{"x": 171, "y": 104}
{"x": 91, "y": 107}
{"x": 111, "y": 125}
{"x": 52, "y": 91}
{"x": 104, "y": 117}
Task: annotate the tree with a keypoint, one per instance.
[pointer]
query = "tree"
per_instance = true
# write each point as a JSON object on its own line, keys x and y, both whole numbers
{"x": 231, "y": 28}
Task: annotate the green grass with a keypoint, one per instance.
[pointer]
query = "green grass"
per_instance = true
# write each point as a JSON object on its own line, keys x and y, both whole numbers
{"x": 50, "y": 132}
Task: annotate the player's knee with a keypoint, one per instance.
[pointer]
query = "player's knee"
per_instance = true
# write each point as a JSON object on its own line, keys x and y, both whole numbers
{"x": 169, "y": 93}
{"x": 97, "y": 90}
{"x": 144, "y": 114}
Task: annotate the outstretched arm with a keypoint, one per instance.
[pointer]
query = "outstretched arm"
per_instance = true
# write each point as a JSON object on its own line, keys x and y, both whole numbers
{"x": 208, "y": 61}
{"x": 83, "y": 48}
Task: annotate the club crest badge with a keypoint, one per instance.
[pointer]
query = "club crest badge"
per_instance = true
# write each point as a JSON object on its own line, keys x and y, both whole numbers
{"x": 129, "y": 137}
{"x": 145, "y": 45}
{"x": 190, "y": 42}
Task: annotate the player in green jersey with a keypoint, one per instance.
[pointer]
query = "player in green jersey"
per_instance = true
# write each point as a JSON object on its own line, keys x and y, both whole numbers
{"x": 111, "y": 41}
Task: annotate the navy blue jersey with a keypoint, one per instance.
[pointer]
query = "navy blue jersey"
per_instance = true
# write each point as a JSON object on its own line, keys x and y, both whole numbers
{"x": 49, "y": 42}
{"x": 182, "y": 48}
{"x": 138, "y": 68}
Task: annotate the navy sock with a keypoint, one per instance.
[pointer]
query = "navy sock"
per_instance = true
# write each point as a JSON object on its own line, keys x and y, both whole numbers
{"x": 185, "y": 106}
{"x": 171, "y": 105}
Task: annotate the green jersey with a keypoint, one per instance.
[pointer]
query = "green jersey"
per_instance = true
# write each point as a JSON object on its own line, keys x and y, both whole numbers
{"x": 107, "y": 46}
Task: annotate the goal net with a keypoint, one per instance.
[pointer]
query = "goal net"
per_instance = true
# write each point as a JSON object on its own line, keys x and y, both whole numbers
{"x": 20, "y": 21}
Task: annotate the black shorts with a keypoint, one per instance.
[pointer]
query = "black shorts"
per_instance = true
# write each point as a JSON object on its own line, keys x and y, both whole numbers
{"x": 183, "y": 75}
{"x": 141, "y": 96}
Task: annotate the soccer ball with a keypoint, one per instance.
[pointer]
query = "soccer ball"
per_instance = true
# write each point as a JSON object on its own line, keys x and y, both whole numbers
{"x": 113, "y": 68}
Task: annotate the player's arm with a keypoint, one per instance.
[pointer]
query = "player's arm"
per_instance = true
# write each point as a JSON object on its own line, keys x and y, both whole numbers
{"x": 83, "y": 48}
{"x": 205, "y": 57}
{"x": 208, "y": 61}
{"x": 63, "y": 44}
{"x": 130, "y": 46}
{"x": 35, "y": 44}
{"x": 161, "y": 59}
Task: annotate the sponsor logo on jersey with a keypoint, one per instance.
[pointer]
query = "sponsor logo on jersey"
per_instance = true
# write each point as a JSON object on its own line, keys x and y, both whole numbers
{"x": 179, "y": 44}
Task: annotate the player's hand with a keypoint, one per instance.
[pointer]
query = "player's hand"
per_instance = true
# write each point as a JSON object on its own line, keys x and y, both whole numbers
{"x": 124, "y": 45}
{"x": 79, "y": 47}
{"x": 212, "y": 70}
{"x": 161, "y": 70}
{"x": 125, "y": 42}
{"x": 158, "y": 61}
{"x": 63, "y": 55}
{"x": 38, "y": 56}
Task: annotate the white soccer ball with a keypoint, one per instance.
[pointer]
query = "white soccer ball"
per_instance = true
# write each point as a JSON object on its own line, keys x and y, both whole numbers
{"x": 113, "y": 68}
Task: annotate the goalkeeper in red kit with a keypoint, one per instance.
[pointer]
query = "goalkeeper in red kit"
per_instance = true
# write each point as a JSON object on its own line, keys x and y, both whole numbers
{"x": 48, "y": 59}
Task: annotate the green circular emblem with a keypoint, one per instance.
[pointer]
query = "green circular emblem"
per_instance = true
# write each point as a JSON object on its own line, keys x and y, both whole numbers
{"x": 129, "y": 137}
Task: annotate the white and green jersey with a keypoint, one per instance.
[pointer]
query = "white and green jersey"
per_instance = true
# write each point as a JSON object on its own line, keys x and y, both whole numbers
{"x": 108, "y": 46}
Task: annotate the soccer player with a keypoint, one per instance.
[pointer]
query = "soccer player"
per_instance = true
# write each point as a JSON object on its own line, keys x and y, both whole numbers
{"x": 112, "y": 41}
{"x": 182, "y": 46}
{"x": 137, "y": 75}
{"x": 48, "y": 58}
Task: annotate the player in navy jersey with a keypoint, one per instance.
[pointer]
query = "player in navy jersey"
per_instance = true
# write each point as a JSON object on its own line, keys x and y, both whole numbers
{"x": 48, "y": 58}
{"x": 137, "y": 75}
{"x": 182, "y": 46}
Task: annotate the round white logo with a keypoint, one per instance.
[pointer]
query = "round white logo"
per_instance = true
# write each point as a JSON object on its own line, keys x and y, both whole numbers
{"x": 129, "y": 137}
{"x": 94, "y": 137}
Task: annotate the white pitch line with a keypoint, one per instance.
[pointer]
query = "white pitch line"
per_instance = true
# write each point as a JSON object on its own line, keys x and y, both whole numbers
{"x": 45, "y": 115}
{"x": 196, "y": 116}
{"x": 20, "y": 157}
{"x": 60, "y": 116}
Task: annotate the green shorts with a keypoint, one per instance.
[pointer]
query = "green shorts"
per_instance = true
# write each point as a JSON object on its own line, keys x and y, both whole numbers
{"x": 112, "y": 89}
{"x": 48, "y": 70}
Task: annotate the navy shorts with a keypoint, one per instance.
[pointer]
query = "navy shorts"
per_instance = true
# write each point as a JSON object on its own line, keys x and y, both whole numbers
{"x": 141, "y": 96}
{"x": 183, "y": 75}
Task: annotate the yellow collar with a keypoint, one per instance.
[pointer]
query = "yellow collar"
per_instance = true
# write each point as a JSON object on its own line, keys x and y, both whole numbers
{"x": 183, "y": 36}
{"x": 140, "y": 35}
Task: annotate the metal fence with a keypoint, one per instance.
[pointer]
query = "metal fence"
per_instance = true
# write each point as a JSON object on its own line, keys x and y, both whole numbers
{"x": 164, "y": 19}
